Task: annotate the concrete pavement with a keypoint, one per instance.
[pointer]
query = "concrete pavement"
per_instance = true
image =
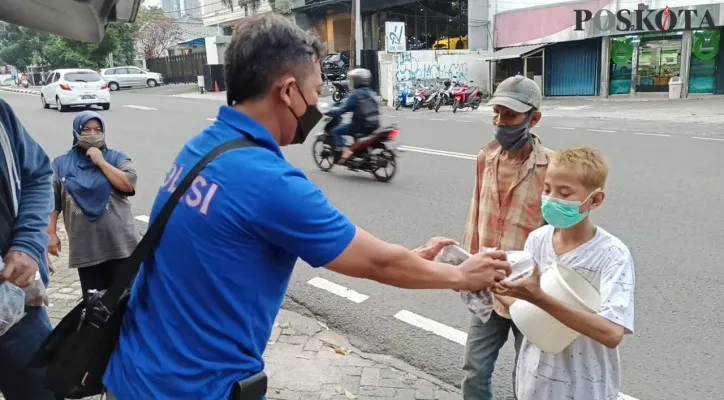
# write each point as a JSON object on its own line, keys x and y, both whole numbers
{"x": 662, "y": 201}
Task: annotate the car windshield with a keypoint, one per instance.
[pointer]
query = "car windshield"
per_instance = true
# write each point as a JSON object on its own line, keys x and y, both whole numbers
{"x": 332, "y": 58}
{"x": 82, "y": 76}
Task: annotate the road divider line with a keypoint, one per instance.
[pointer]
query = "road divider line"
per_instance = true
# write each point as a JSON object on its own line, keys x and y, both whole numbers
{"x": 600, "y": 130}
{"x": 438, "y": 119}
{"x": 412, "y": 117}
{"x": 435, "y": 327}
{"x": 339, "y": 290}
{"x": 565, "y": 128}
{"x": 142, "y": 218}
{"x": 622, "y": 396}
{"x": 652, "y": 134}
{"x": 464, "y": 120}
{"x": 439, "y": 153}
{"x": 211, "y": 119}
{"x": 708, "y": 138}
{"x": 140, "y": 107}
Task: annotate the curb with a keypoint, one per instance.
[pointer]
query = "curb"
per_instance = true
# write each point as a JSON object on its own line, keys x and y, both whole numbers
{"x": 19, "y": 90}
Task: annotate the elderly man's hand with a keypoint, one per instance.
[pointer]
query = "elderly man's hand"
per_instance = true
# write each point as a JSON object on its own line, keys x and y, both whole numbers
{"x": 20, "y": 269}
{"x": 433, "y": 246}
{"x": 483, "y": 270}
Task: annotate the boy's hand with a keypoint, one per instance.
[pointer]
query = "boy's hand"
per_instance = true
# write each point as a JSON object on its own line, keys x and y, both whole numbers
{"x": 527, "y": 289}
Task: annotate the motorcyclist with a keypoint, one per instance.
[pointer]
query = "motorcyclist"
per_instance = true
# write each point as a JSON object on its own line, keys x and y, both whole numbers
{"x": 362, "y": 102}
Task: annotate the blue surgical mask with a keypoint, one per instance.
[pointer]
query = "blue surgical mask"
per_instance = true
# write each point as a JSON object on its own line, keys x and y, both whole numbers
{"x": 563, "y": 213}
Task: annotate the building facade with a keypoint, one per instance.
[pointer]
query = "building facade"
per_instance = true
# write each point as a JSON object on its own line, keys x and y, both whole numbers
{"x": 606, "y": 48}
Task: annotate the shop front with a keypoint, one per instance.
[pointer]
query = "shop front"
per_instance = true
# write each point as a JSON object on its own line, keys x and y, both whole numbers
{"x": 659, "y": 57}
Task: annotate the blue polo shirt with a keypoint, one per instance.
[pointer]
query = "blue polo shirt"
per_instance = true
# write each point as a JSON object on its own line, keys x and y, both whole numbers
{"x": 201, "y": 318}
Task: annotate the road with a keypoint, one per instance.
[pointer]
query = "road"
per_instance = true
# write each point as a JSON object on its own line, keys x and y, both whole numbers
{"x": 664, "y": 201}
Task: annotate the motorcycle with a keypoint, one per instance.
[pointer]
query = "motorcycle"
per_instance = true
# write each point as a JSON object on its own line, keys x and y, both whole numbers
{"x": 432, "y": 100}
{"x": 445, "y": 98}
{"x": 375, "y": 153}
{"x": 404, "y": 100}
{"x": 24, "y": 82}
{"x": 341, "y": 90}
{"x": 420, "y": 95}
{"x": 465, "y": 96}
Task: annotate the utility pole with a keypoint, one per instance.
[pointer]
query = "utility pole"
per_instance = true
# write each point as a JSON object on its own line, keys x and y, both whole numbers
{"x": 353, "y": 36}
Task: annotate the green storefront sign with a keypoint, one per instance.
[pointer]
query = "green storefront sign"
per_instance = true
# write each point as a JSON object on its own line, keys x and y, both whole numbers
{"x": 621, "y": 51}
{"x": 706, "y": 45}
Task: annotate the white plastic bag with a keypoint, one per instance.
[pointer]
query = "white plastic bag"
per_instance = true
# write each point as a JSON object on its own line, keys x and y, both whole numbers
{"x": 12, "y": 304}
{"x": 479, "y": 303}
{"x": 482, "y": 303}
{"x": 35, "y": 295}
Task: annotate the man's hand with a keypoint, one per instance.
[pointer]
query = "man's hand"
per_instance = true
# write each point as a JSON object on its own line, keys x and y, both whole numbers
{"x": 20, "y": 269}
{"x": 96, "y": 156}
{"x": 54, "y": 245}
{"x": 527, "y": 289}
{"x": 430, "y": 250}
{"x": 483, "y": 270}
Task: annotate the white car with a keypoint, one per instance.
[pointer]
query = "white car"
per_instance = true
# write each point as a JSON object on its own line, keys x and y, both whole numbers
{"x": 130, "y": 76}
{"x": 67, "y": 88}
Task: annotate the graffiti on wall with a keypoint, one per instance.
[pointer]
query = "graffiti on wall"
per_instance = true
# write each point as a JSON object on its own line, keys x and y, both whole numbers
{"x": 409, "y": 71}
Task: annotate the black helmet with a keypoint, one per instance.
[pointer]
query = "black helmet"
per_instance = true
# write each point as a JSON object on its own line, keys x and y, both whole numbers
{"x": 360, "y": 77}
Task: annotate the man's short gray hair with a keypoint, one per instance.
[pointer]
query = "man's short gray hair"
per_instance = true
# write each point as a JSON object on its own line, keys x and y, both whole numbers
{"x": 263, "y": 48}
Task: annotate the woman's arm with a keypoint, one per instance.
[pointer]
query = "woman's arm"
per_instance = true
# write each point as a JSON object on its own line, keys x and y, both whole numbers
{"x": 117, "y": 178}
{"x": 54, "y": 245}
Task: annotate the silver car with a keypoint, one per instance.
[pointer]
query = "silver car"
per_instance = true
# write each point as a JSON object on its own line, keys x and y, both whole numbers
{"x": 126, "y": 77}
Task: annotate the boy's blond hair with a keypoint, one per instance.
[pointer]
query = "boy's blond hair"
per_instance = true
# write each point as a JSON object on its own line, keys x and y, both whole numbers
{"x": 589, "y": 162}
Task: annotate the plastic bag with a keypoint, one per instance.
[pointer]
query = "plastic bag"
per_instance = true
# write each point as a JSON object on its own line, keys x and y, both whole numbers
{"x": 482, "y": 303}
{"x": 35, "y": 294}
{"x": 479, "y": 303}
{"x": 12, "y": 304}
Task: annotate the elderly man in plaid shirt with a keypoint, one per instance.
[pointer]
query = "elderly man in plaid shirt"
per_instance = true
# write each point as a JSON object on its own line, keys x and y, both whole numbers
{"x": 505, "y": 208}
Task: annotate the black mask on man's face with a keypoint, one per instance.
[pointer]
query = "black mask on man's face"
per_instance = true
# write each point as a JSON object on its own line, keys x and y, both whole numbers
{"x": 306, "y": 122}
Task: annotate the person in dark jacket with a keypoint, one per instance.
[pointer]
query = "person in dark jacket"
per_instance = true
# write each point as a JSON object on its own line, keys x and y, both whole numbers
{"x": 362, "y": 102}
{"x": 26, "y": 201}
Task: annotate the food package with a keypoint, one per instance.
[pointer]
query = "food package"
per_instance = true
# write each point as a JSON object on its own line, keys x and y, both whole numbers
{"x": 35, "y": 294}
{"x": 12, "y": 304}
{"x": 483, "y": 303}
{"x": 479, "y": 303}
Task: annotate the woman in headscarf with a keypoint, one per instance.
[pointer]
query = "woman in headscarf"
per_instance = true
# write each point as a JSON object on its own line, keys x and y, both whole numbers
{"x": 92, "y": 186}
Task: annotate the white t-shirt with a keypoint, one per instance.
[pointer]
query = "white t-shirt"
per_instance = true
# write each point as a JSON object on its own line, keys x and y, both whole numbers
{"x": 586, "y": 369}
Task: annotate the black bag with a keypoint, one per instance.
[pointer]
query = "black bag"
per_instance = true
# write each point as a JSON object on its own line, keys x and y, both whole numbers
{"x": 78, "y": 350}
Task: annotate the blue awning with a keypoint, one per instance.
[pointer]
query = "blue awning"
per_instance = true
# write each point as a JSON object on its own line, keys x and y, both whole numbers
{"x": 195, "y": 42}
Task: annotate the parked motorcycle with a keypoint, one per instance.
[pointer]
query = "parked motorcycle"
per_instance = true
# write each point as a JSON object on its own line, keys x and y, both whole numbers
{"x": 445, "y": 98}
{"x": 421, "y": 95}
{"x": 375, "y": 153}
{"x": 404, "y": 99}
{"x": 432, "y": 100}
{"x": 341, "y": 90}
{"x": 464, "y": 96}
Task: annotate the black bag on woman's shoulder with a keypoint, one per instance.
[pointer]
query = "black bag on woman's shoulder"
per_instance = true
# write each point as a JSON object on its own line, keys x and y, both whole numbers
{"x": 78, "y": 350}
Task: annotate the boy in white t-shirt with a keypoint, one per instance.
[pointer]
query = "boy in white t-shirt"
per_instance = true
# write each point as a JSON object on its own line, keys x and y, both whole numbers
{"x": 589, "y": 368}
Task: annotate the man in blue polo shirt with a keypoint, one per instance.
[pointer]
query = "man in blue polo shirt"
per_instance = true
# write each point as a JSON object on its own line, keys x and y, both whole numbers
{"x": 200, "y": 319}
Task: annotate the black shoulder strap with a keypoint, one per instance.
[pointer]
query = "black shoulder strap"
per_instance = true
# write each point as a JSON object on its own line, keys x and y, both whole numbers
{"x": 128, "y": 270}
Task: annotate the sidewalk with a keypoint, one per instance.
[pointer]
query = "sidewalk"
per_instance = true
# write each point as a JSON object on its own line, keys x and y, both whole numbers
{"x": 16, "y": 89}
{"x": 305, "y": 360}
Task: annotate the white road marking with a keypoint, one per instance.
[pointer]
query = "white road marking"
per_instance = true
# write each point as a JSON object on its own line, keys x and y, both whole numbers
{"x": 564, "y": 128}
{"x": 211, "y": 119}
{"x": 412, "y": 117}
{"x": 435, "y": 327}
{"x": 464, "y": 120}
{"x": 622, "y": 396}
{"x": 600, "y": 130}
{"x": 652, "y": 134}
{"x": 439, "y": 152}
{"x": 142, "y": 218}
{"x": 708, "y": 138}
{"x": 438, "y": 119}
{"x": 141, "y": 107}
{"x": 341, "y": 291}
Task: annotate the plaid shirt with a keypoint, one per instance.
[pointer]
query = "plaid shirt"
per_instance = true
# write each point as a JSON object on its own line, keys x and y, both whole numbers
{"x": 505, "y": 223}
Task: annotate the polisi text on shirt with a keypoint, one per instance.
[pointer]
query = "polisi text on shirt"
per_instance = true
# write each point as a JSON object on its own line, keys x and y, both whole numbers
{"x": 199, "y": 195}
{"x": 643, "y": 20}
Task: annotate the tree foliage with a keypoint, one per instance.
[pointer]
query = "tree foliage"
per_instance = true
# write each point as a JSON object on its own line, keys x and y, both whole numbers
{"x": 21, "y": 46}
{"x": 156, "y": 32}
